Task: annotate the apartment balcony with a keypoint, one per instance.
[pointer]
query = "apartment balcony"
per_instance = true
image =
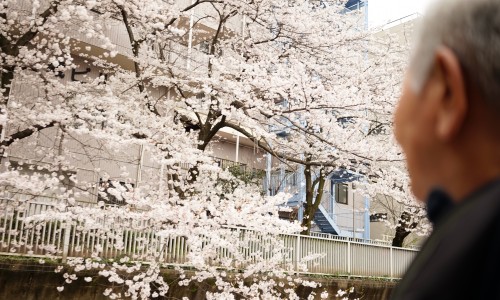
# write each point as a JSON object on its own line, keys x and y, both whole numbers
{"x": 115, "y": 33}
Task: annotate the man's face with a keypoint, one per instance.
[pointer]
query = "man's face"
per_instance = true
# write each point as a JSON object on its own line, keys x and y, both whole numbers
{"x": 414, "y": 121}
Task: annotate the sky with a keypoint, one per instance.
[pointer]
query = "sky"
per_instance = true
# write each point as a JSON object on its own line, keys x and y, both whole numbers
{"x": 381, "y": 12}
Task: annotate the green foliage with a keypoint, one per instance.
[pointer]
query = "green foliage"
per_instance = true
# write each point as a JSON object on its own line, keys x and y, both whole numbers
{"x": 253, "y": 177}
{"x": 242, "y": 177}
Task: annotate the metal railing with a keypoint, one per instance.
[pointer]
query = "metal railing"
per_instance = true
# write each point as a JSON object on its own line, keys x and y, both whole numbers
{"x": 343, "y": 257}
{"x": 287, "y": 181}
{"x": 236, "y": 166}
{"x": 351, "y": 239}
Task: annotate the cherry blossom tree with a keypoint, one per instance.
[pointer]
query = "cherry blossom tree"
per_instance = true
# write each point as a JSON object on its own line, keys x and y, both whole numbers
{"x": 97, "y": 80}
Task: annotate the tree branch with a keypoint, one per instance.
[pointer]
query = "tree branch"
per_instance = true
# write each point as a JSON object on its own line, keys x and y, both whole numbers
{"x": 269, "y": 150}
{"x": 213, "y": 131}
{"x": 300, "y": 128}
{"x": 25, "y": 133}
{"x": 134, "y": 44}
{"x": 32, "y": 32}
{"x": 271, "y": 39}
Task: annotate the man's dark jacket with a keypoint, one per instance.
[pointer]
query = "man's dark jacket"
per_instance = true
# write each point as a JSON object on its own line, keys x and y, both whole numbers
{"x": 461, "y": 258}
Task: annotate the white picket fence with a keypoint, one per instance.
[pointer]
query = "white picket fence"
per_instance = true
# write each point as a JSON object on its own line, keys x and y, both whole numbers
{"x": 56, "y": 239}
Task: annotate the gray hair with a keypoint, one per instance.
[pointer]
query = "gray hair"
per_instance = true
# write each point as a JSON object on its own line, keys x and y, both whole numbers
{"x": 471, "y": 29}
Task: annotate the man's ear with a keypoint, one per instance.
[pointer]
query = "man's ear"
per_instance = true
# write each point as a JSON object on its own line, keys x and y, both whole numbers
{"x": 453, "y": 103}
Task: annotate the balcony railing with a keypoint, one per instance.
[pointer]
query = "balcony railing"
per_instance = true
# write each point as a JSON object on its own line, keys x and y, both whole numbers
{"x": 240, "y": 168}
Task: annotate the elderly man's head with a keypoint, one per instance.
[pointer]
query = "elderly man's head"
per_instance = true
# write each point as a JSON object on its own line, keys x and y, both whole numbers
{"x": 448, "y": 118}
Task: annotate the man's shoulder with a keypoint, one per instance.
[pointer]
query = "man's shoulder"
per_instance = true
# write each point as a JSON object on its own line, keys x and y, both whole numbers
{"x": 474, "y": 215}
{"x": 467, "y": 241}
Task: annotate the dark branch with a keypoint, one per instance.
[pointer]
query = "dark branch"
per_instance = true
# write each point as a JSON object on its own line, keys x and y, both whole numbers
{"x": 271, "y": 39}
{"x": 25, "y": 133}
{"x": 264, "y": 146}
{"x": 32, "y": 32}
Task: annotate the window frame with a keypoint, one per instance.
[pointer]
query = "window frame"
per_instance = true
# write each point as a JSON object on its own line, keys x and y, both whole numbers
{"x": 337, "y": 188}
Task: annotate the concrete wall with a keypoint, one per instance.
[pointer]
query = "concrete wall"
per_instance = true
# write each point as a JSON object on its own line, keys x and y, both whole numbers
{"x": 33, "y": 281}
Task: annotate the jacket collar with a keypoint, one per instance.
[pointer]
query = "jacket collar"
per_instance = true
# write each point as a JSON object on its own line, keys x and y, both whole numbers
{"x": 439, "y": 204}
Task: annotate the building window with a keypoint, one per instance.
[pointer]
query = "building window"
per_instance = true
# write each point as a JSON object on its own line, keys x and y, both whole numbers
{"x": 341, "y": 193}
{"x": 111, "y": 192}
{"x": 204, "y": 47}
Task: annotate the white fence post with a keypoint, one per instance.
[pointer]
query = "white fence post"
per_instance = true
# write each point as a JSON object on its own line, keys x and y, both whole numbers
{"x": 392, "y": 264}
{"x": 349, "y": 259}
{"x": 67, "y": 232}
{"x": 297, "y": 253}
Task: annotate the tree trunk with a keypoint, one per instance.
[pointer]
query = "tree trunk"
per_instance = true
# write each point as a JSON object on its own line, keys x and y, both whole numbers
{"x": 406, "y": 224}
{"x": 399, "y": 238}
{"x": 312, "y": 203}
{"x": 306, "y": 221}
